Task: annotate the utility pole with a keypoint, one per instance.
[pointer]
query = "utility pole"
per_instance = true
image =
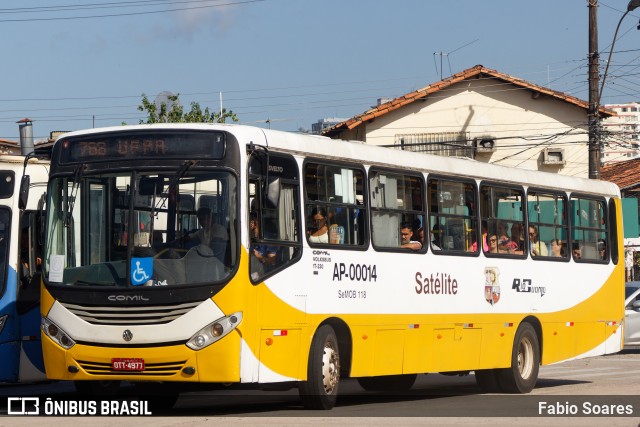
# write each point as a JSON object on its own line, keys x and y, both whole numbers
{"x": 593, "y": 113}
{"x": 220, "y": 104}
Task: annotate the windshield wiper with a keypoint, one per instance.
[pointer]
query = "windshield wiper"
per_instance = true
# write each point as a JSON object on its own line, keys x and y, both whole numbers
{"x": 77, "y": 175}
{"x": 85, "y": 283}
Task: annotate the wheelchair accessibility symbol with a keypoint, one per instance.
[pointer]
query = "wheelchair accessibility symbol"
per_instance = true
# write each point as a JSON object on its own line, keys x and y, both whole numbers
{"x": 141, "y": 270}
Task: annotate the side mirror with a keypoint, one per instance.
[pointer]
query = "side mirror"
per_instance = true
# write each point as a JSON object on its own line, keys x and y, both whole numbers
{"x": 23, "y": 197}
{"x": 272, "y": 193}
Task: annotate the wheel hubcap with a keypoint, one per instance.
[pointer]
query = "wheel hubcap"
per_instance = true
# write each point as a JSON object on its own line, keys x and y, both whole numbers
{"x": 330, "y": 368}
{"x": 525, "y": 358}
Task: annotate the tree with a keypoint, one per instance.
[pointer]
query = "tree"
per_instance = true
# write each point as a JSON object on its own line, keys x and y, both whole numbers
{"x": 177, "y": 115}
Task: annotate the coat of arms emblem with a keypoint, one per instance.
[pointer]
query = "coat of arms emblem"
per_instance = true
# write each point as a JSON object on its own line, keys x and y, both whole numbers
{"x": 491, "y": 285}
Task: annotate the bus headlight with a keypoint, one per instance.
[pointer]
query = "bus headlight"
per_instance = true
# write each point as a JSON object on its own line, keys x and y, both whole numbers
{"x": 58, "y": 335}
{"x": 214, "y": 331}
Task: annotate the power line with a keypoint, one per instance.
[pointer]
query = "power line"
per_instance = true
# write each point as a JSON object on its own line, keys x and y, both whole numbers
{"x": 113, "y": 15}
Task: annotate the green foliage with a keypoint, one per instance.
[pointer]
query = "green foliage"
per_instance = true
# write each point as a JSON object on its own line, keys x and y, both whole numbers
{"x": 177, "y": 115}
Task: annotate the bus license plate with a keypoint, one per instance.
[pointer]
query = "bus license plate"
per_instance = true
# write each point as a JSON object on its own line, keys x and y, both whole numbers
{"x": 127, "y": 364}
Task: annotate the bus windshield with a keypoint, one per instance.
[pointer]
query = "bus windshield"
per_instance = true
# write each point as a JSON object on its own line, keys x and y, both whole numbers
{"x": 141, "y": 229}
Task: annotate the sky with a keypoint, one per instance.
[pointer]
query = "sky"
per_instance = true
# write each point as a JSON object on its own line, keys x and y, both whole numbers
{"x": 285, "y": 64}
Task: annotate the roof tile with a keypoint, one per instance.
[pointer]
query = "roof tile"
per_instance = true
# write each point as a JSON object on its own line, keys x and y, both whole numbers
{"x": 434, "y": 87}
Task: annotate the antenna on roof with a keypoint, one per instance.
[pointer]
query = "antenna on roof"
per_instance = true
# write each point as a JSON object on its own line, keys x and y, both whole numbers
{"x": 447, "y": 55}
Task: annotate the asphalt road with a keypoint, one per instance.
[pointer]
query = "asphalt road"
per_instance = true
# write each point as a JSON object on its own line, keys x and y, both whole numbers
{"x": 589, "y": 387}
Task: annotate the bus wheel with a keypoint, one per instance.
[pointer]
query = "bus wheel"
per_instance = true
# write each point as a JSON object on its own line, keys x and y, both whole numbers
{"x": 487, "y": 380}
{"x": 320, "y": 390}
{"x": 97, "y": 388}
{"x": 521, "y": 377}
{"x": 388, "y": 382}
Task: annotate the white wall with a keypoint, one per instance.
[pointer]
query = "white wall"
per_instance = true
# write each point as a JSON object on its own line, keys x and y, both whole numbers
{"x": 523, "y": 125}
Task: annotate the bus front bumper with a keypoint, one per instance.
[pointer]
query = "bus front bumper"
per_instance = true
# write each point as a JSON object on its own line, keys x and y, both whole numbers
{"x": 219, "y": 362}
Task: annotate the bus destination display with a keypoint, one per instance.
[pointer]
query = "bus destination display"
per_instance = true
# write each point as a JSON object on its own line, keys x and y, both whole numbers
{"x": 197, "y": 145}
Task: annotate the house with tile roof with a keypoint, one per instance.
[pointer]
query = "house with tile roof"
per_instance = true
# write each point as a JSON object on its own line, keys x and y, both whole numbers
{"x": 626, "y": 175}
{"x": 9, "y": 147}
{"x": 482, "y": 114}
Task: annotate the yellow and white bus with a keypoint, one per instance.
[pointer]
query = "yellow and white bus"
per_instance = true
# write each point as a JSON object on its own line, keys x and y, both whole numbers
{"x": 299, "y": 274}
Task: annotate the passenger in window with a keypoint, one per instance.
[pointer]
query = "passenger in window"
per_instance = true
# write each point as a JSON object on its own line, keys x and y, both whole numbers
{"x": 421, "y": 235}
{"x": 157, "y": 240}
{"x": 493, "y": 244}
{"x": 336, "y": 234}
{"x": 515, "y": 245}
{"x": 473, "y": 242}
{"x": 537, "y": 247}
{"x": 319, "y": 231}
{"x": 602, "y": 249}
{"x": 576, "y": 251}
{"x": 474, "y": 245}
{"x": 262, "y": 253}
{"x": 502, "y": 231}
{"x": 484, "y": 230}
{"x": 557, "y": 250}
{"x": 210, "y": 234}
{"x": 406, "y": 237}
{"x": 436, "y": 237}
{"x": 503, "y": 236}
{"x": 209, "y": 231}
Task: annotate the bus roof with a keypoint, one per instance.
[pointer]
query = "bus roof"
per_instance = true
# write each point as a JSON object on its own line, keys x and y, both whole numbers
{"x": 320, "y": 146}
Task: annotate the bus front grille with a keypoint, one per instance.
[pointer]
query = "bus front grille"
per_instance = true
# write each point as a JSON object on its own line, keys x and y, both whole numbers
{"x": 120, "y": 316}
{"x": 150, "y": 369}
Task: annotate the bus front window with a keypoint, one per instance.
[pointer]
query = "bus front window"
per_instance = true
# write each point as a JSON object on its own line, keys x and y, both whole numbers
{"x": 139, "y": 229}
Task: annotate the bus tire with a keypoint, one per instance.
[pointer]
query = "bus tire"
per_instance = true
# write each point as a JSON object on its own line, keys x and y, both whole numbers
{"x": 487, "y": 380}
{"x": 97, "y": 388}
{"x": 388, "y": 382}
{"x": 522, "y": 376}
{"x": 320, "y": 390}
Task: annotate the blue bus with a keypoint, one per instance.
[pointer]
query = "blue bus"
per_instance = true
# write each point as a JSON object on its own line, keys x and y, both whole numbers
{"x": 23, "y": 181}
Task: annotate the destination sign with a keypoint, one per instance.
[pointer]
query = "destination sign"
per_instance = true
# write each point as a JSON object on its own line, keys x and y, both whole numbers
{"x": 142, "y": 145}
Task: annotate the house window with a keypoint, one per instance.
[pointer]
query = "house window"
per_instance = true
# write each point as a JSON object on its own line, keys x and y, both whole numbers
{"x": 456, "y": 144}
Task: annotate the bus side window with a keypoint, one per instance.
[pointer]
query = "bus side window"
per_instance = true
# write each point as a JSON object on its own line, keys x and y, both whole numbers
{"x": 396, "y": 199}
{"x": 273, "y": 219}
{"x": 502, "y": 209}
{"x": 453, "y": 214}
{"x": 548, "y": 226}
{"x": 590, "y": 230}
{"x": 335, "y": 192}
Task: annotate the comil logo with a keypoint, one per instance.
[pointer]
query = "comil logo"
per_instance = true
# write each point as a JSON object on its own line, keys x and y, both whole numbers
{"x": 23, "y": 406}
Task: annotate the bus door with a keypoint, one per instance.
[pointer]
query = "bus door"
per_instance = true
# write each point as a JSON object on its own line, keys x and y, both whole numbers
{"x": 28, "y": 296}
{"x": 9, "y": 325}
{"x": 20, "y": 345}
